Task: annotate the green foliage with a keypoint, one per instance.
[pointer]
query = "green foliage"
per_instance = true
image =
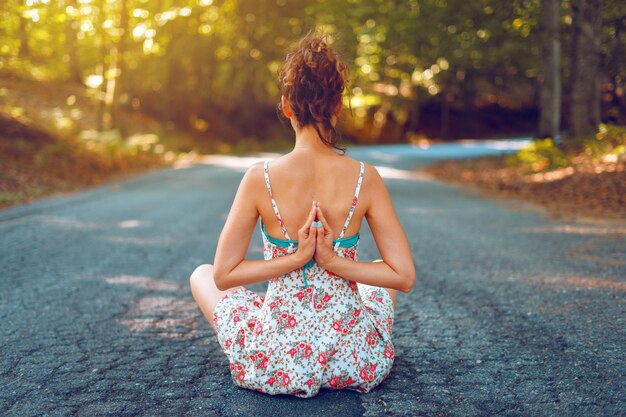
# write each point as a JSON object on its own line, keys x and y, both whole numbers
{"x": 88, "y": 163}
{"x": 220, "y": 59}
{"x": 540, "y": 156}
{"x": 178, "y": 59}
{"x": 607, "y": 145}
{"x": 8, "y": 198}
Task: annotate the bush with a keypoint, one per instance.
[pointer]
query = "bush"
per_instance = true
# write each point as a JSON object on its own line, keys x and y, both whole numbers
{"x": 607, "y": 145}
{"x": 540, "y": 156}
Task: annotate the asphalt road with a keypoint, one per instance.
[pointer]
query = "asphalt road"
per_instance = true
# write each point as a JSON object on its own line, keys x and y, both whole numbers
{"x": 512, "y": 313}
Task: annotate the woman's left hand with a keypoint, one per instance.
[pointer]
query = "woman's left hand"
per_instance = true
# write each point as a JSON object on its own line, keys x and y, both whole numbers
{"x": 324, "y": 252}
{"x": 306, "y": 238}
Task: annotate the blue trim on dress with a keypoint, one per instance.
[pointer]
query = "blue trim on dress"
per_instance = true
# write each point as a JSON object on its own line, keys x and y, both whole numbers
{"x": 345, "y": 242}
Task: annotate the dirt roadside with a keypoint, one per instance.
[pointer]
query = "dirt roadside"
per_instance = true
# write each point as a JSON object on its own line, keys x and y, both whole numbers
{"x": 565, "y": 193}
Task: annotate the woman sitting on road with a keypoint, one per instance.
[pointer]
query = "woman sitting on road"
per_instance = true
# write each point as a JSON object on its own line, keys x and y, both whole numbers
{"x": 326, "y": 319}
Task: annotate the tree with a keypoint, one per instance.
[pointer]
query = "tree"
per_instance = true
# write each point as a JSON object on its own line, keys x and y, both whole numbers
{"x": 118, "y": 63}
{"x": 614, "y": 51}
{"x": 585, "y": 85}
{"x": 24, "y": 51}
{"x": 550, "y": 78}
{"x": 70, "y": 36}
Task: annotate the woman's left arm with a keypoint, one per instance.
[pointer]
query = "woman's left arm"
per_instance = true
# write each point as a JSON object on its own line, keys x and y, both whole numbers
{"x": 230, "y": 267}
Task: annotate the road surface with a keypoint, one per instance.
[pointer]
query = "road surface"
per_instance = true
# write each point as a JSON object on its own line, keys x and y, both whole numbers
{"x": 512, "y": 313}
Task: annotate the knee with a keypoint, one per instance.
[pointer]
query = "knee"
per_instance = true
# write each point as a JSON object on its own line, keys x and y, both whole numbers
{"x": 201, "y": 273}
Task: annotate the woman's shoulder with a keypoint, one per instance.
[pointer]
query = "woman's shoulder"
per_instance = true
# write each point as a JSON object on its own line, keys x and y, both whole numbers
{"x": 354, "y": 164}
{"x": 350, "y": 167}
{"x": 371, "y": 182}
{"x": 370, "y": 172}
{"x": 373, "y": 188}
{"x": 253, "y": 178}
{"x": 254, "y": 171}
{"x": 370, "y": 169}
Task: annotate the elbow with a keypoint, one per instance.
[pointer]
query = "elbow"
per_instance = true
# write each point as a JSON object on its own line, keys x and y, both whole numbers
{"x": 408, "y": 280}
{"x": 219, "y": 277}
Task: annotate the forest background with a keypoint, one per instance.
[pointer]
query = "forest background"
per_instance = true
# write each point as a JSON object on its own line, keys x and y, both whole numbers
{"x": 91, "y": 89}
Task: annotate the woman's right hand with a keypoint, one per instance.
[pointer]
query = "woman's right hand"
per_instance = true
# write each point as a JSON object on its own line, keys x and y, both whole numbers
{"x": 306, "y": 238}
{"x": 324, "y": 252}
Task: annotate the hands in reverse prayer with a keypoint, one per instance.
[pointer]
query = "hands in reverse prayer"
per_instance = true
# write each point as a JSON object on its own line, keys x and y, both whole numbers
{"x": 315, "y": 238}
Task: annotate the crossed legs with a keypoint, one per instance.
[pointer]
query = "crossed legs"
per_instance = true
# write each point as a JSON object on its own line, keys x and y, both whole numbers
{"x": 205, "y": 291}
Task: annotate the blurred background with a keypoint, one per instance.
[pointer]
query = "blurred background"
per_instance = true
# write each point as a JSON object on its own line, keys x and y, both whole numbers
{"x": 96, "y": 89}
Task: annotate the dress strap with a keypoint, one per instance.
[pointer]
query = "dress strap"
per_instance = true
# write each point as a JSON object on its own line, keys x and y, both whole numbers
{"x": 274, "y": 205}
{"x": 354, "y": 200}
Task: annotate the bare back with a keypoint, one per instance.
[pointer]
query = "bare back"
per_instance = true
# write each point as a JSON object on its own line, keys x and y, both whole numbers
{"x": 296, "y": 180}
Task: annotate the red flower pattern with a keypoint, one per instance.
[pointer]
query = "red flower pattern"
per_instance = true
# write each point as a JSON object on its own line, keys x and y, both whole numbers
{"x": 360, "y": 318}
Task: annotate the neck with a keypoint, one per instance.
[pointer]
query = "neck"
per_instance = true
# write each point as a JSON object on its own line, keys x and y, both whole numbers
{"x": 308, "y": 138}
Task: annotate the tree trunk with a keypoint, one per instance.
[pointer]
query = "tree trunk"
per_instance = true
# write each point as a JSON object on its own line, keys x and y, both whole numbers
{"x": 550, "y": 78}
{"x": 211, "y": 67}
{"x": 413, "y": 120}
{"x": 587, "y": 26}
{"x": 70, "y": 36}
{"x": 102, "y": 123}
{"x": 380, "y": 121}
{"x": 24, "y": 51}
{"x": 445, "y": 114}
{"x": 618, "y": 98}
{"x": 412, "y": 124}
{"x": 109, "y": 88}
{"x": 467, "y": 95}
{"x": 120, "y": 69}
{"x": 170, "y": 107}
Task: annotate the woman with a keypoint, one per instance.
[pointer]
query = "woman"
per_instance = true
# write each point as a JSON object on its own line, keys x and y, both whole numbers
{"x": 326, "y": 319}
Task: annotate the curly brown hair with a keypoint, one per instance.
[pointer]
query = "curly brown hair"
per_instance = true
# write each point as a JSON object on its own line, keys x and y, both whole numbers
{"x": 312, "y": 79}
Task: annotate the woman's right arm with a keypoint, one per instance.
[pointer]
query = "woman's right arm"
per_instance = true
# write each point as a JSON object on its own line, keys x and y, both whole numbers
{"x": 397, "y": 269}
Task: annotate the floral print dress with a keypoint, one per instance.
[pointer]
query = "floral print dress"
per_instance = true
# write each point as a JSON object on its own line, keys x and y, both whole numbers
{"x": 312, "y": 330}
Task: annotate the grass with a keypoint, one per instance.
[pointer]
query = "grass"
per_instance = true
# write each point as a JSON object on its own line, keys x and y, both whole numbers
{"x": 34, "y": 163}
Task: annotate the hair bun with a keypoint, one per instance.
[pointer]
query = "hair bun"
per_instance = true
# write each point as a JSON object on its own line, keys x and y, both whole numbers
{"x": 309, "y": 59}
{"x": 318, "y": 45}
{"x": 312, "y": 79}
